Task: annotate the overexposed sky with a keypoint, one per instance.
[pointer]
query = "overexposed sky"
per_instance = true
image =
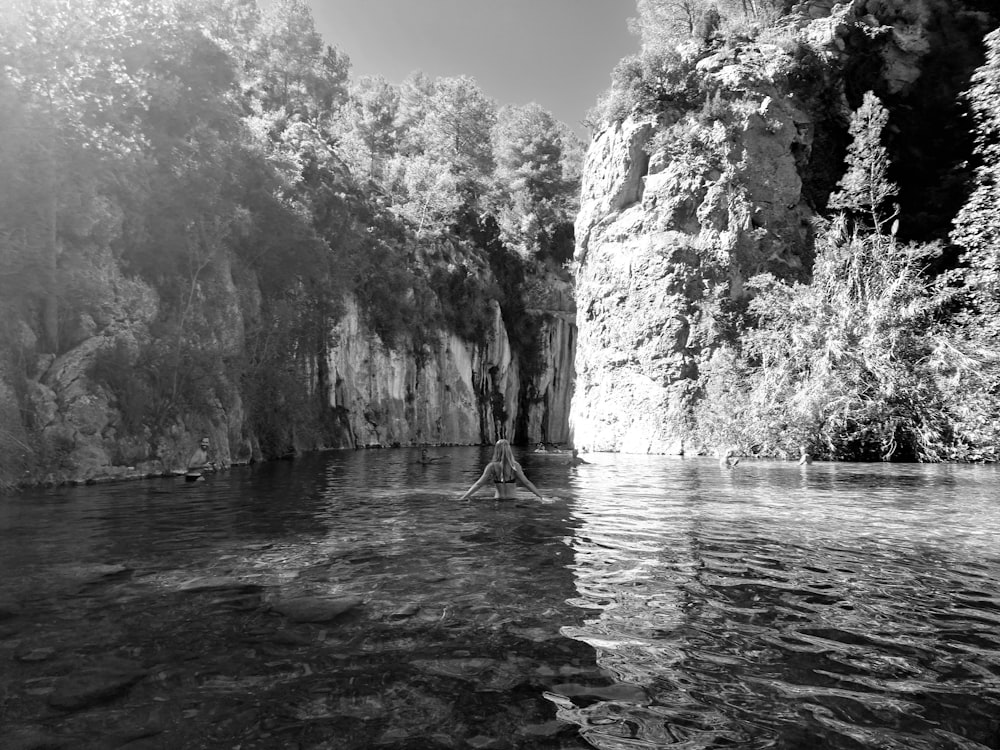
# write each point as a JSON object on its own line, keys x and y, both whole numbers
{"x": 558, "y": 53}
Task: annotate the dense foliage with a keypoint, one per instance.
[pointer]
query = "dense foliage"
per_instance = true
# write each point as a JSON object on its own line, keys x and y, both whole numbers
{"x": 879, "y": 348}
{"x": 155, "y": 155}
{"x": 662, "y": 23}
{"x": 875, "y": 358}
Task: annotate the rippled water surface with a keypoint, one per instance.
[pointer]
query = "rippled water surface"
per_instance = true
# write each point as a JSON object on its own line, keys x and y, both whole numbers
{"x": 653, "y": 603}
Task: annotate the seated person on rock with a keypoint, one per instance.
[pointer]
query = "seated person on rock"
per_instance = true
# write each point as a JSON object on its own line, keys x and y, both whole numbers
{"x": 199, "y": 460}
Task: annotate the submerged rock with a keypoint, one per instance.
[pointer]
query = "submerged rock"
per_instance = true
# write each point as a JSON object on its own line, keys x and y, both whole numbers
{"x": 405, "y": 611}
{"x": 33, "y": 738}
{"x": 91, "y": 572}
{"x": 315, "y": 609}
{"x": 34, "y": 653}
{"x": 470, "y": 668}
{"x": 210, "y": 583}
{"x": 8, "y": 610}
{"x": 96, "y": 684}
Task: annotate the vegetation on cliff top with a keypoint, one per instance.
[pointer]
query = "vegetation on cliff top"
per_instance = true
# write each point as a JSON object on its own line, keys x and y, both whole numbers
{"x": 197, "y": 186}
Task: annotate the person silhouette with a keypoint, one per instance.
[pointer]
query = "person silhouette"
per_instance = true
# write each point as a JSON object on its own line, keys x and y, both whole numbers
{"x": 729, "y": 459}
{"x": 505, "y": 473}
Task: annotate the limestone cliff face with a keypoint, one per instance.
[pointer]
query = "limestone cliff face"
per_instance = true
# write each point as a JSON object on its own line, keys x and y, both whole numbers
{"x": 681, "y": 207}
{"x": 456, "y": 392}
{"x": 385, "y": 396}
{"x": 659, "y": 260}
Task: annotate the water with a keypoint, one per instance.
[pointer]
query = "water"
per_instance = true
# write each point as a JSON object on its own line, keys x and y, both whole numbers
{"x": 655, "y": 603}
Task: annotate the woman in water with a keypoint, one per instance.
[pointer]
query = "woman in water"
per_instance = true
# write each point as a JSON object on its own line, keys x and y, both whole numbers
{"x": 505, "y": 473}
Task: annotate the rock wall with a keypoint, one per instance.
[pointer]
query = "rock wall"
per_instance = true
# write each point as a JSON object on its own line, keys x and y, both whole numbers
{"x": 680, "y": 208}
{"x": 83, "y": 430}
{"x": 660, "y": 259}
{"x": 453, "y": 392}
{"x": 456, "y": 392}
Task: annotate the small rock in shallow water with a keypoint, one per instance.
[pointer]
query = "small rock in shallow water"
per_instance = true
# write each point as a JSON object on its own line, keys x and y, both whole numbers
{"x": 617, "y": 692}
{"x": 205, "y": 583}
{"x": 95, "y": 684}
{"x": 462, "y": 669}
{"x": 407, "y": 611}
{"x": 314, "y": 609}
{"x": 539, "y": 731}
{"x": 36, "y": 653}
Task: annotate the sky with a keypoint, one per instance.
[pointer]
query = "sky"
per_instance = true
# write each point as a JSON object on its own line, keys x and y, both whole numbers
{"x": 557, "y": 53}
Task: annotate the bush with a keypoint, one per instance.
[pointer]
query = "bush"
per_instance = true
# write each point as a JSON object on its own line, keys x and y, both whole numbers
{"x": 464, "y": 299}
{"x": 153, "y": 384}
{"x": 648, "y": 82}
{"x": 844, "y": 364}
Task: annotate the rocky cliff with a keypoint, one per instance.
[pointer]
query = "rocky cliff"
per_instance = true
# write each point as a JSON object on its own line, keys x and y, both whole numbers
{"x": 457, "y": 392}
{"x": 443, "y": 390}
{"x": 690, "y": 196}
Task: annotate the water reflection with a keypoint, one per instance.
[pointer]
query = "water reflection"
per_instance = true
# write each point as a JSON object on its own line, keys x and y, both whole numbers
{"x": 660, "y": 603}
{"x": 771, "y": 606}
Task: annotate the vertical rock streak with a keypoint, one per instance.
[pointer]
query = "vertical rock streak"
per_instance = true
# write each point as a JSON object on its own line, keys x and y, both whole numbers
{"x": 457, "y": 392}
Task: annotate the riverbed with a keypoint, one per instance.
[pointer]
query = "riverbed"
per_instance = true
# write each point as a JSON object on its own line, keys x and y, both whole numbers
{"x": 349, "y": 600}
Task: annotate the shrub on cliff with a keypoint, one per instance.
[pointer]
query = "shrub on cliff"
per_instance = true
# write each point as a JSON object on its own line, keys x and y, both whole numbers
{"x": 855, "y": 364}
{"x": 664, "y": 23}
{"x": 851, "y": 355}
{"x": 647, "y": 83}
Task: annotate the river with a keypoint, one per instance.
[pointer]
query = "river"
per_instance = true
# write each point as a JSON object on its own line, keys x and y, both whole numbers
{"x": 348, "y": 600}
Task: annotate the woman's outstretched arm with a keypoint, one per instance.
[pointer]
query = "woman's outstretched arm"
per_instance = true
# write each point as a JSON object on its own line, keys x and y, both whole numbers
{"x": 524, "y": 480}
{"x": 484, "y": 479}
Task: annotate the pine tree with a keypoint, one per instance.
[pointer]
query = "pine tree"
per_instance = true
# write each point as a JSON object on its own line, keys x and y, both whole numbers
{"x": 865, "y": 189}
{"x": 373, "y": 120}
{"x": 977, "y": 226}
{"x": 536, "y": 194}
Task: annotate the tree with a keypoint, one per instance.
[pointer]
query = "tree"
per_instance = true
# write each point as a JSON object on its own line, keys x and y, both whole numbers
{"x": 977, "y": 226}
{"x": 415, "y": 94}
{"x": 423, "y": 191}
{"x": 535, "y": 176}
{"x": 865, "y": 189}
{"x": 294, "y": 69}
{"x": 456, "y": 130}
{"x": 77, "y": 66}
{"x": 852, "y": 363}
{"x": 663, "y": 23}
{"x": 372, "y": 121}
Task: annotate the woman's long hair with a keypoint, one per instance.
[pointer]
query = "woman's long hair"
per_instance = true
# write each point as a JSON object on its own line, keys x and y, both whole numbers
{"x": 503, "y": 455}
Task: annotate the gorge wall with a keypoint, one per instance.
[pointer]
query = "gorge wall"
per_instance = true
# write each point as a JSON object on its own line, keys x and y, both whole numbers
{"x": 684, "y": 201}
{"x": 446, "y": 390}
{"x": 460, "y": 392}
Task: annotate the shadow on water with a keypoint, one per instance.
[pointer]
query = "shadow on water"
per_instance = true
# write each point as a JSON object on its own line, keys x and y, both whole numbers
{"x": 349, "y": 601}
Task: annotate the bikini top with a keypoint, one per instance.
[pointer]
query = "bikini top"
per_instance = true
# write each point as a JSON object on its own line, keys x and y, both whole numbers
{"x": 499, "y": 479}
